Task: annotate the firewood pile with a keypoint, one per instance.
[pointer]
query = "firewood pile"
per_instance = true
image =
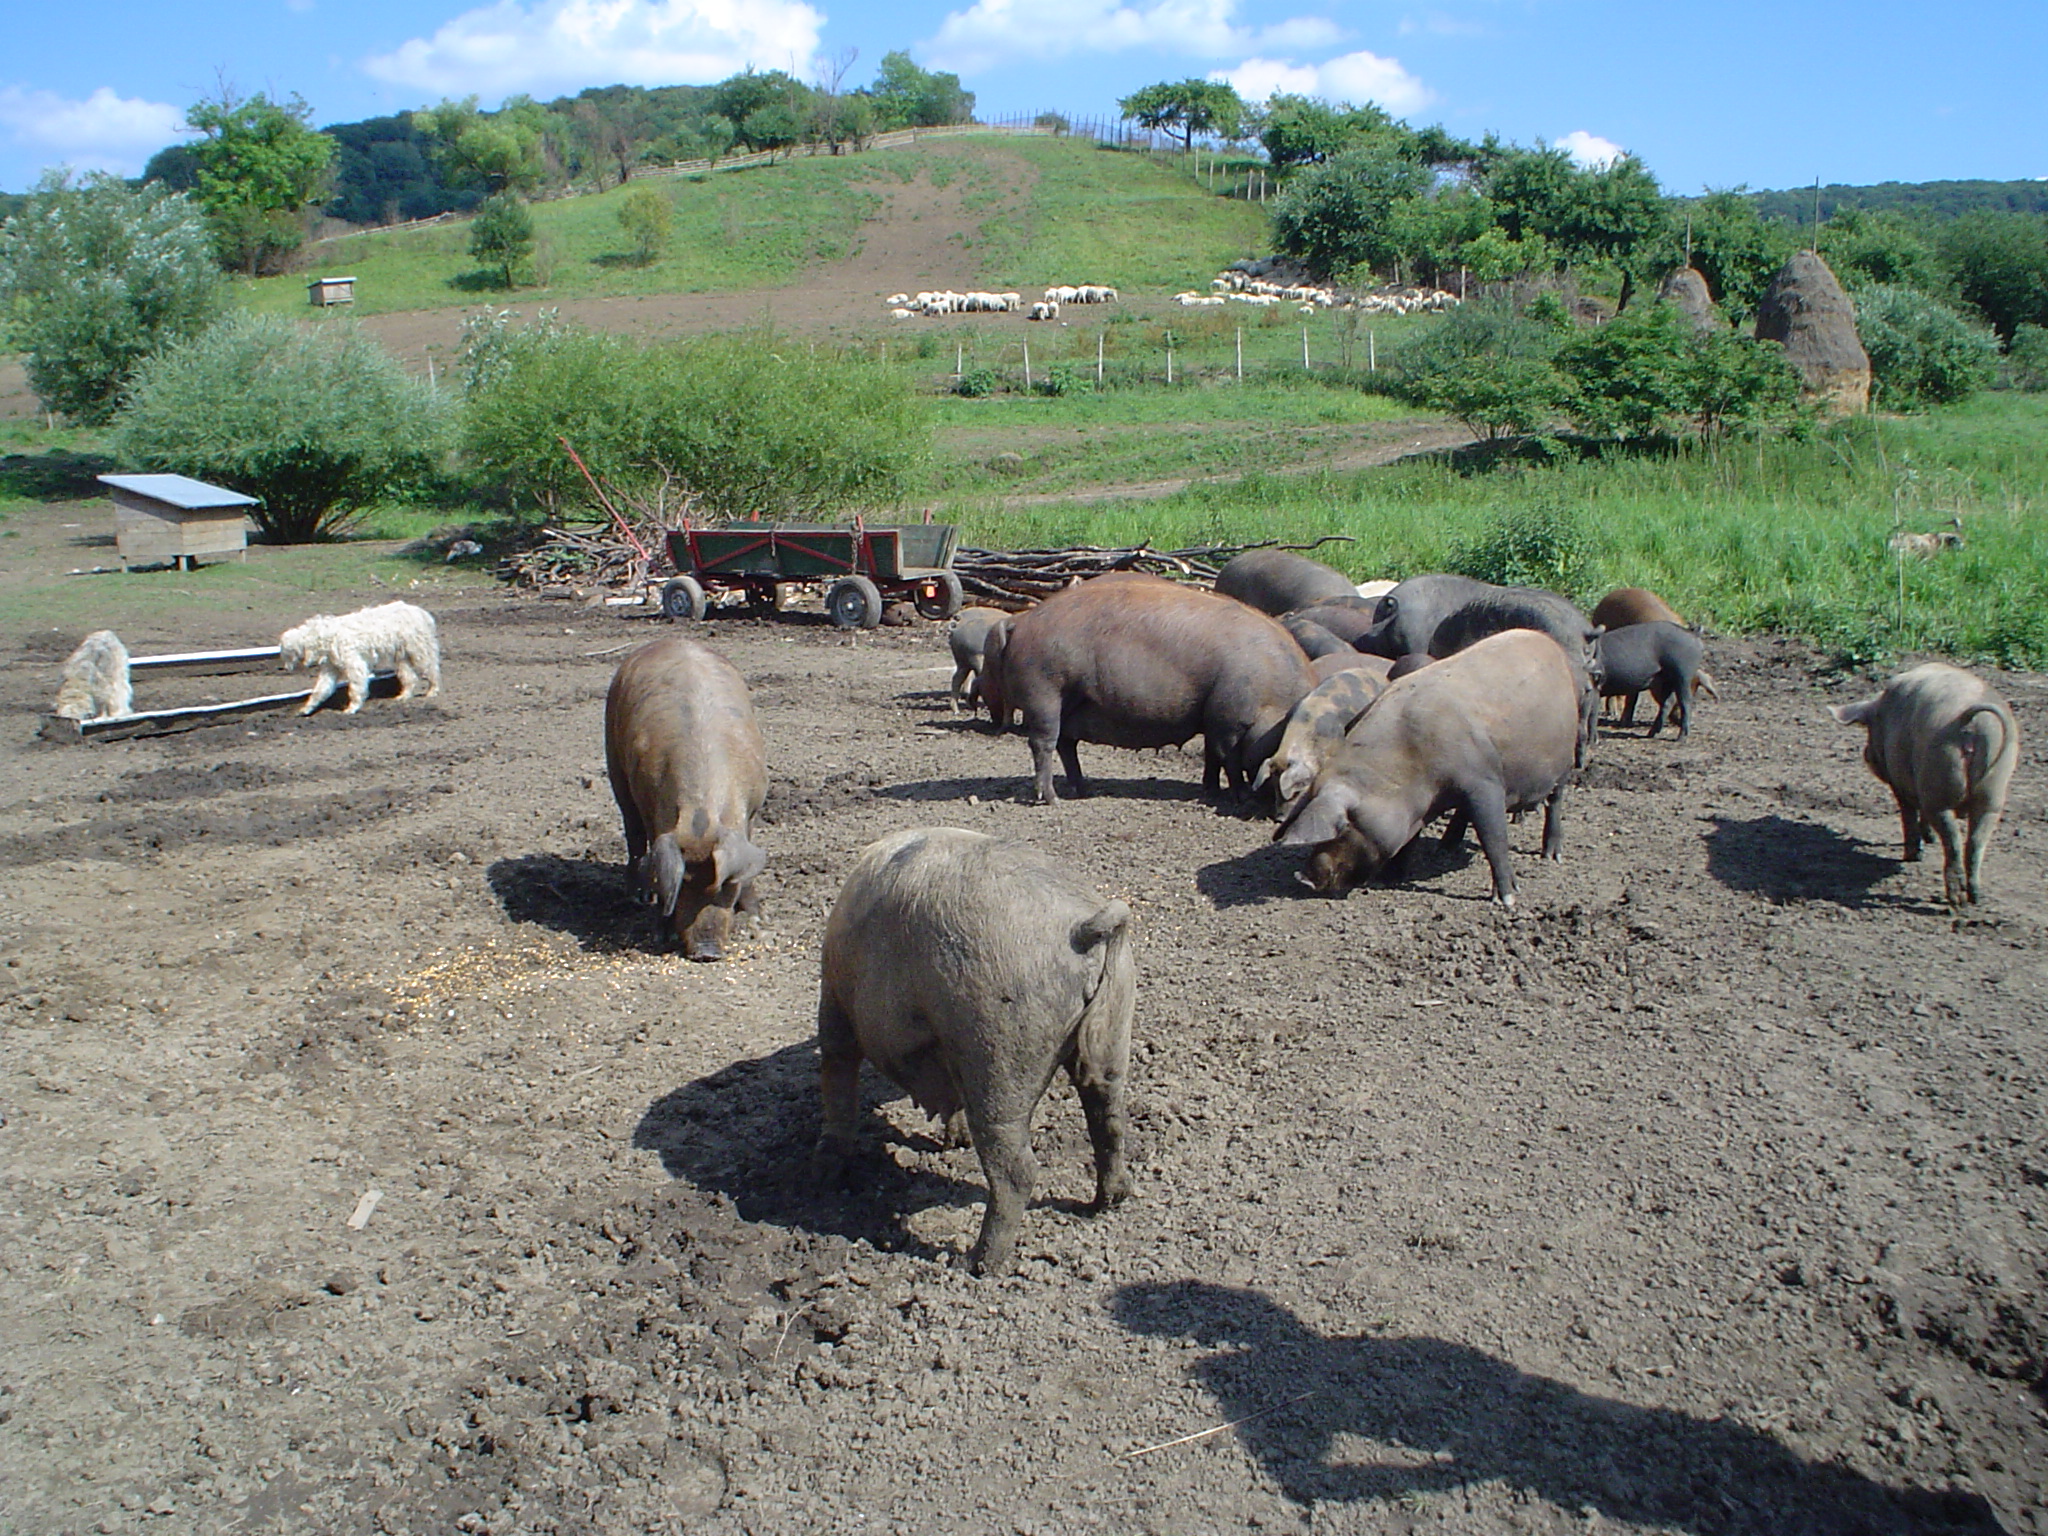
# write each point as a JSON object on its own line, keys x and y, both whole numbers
{"x": 1017, "y": 578}
{"x": 565, "y": 562}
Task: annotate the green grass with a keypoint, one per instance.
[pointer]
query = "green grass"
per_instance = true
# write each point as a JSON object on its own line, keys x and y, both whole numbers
{"x": 1036, "y": 211}
{"x": 1791, "y": 538}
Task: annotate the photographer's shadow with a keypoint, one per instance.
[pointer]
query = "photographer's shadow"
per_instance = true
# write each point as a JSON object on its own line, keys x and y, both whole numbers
{"x": 1437, "y": 1416}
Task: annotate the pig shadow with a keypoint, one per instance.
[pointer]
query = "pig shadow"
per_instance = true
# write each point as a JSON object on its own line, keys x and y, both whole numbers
{"x": 1786, "y": 860}
{"x": 1017, "y": 788}
{"x": 746, "y": 1131}
{"x": 591, "y": 902}
{"x": 1454, "y": 1416}
{"x": 1267, "y": 873}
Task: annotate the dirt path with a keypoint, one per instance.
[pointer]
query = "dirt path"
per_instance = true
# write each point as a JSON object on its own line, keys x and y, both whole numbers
{"x": 1706, "y": 1196}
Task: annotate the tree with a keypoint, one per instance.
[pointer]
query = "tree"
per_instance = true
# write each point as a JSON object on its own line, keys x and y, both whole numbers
{"x": 1304, "y": 130}
{"x": 1735, "y": 250}
{"x": 259, "y": 168}
{"x": 1879, "y": 248}
{"x": 1999, "y": 262}
{"x": 319, "y": 422}
{"x": 1613, "y": 213}
{"x": 1345, "y": 215}
{"x": 645, "y": 215}
{"x": 1489, "y": 365}
{"x": 1188, "y": 107}
{"x": 501, "y": 235}
{"x": 96, "y": 276}
{"x": 501, "y": 152}
{"x": 908, "y": 97}
{"x": 766, "y": 110}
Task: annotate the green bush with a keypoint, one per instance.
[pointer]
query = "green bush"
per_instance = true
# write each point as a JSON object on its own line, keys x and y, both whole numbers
{"x": 747, "y": 425}
{"x": 646, "y": 215}
{"x": 977, "y": 383}
{"x": 1061, "y": 379}
{"x": 95, "y": 277}
{"x": 2027, "y": 358}
{"x": 1541, "y": 545}
{"x": 501, "y": 236}
{"x": 318, "y": 421}
{"x": 1921, "y": 351}
{"x": 1629, "y": 377}
{"x": 1489, "y": 366}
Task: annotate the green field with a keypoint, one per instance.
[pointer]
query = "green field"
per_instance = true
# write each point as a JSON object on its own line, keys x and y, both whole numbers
{"x": 1031, "y": 206}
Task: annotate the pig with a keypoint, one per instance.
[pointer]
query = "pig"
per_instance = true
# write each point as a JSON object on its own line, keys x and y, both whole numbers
{"x": 1407, "y": 666}
{"x": 1489, "y": 731}
{"x": 1633, "y": 605}
{"x": 1139, "y": 661}
{"x": 1347, "y": 660}
{"x": 1517, "y": 608}
{"x": 1314, "y": 729}
{"x": 969, "y": 639}
{"x": 1406, "y": 618}
{"x": 688, "y": 769}
{"x": 969, "y": 971}
{"x": 1313, "y": 639}
{"x": 1346, "y": 618}
{"x": 1656, "y": 657}
{"x": 1946, "y": 744}
{"x": 1278, "y": 581}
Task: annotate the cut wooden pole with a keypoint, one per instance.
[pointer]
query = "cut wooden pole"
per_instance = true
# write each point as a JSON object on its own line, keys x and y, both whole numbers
{"x": 205, "y": 661}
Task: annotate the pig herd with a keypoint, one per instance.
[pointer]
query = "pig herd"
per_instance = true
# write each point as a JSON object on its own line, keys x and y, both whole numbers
{"x": 971, "y": 971}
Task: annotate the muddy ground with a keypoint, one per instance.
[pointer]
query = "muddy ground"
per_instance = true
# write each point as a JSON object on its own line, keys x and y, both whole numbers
{"x": 1707, "y": 1194}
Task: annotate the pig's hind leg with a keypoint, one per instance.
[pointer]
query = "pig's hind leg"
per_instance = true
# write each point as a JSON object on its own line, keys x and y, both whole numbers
{"x": 839, "y": 1057}
{"x": 1003, "y": 1139}
{"x": 1101, "y": 1089}
{"x": 1487, "y": 806}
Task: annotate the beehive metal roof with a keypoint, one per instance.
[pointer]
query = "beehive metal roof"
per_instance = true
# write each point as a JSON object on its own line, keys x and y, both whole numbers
{"x": 179, "y": 491}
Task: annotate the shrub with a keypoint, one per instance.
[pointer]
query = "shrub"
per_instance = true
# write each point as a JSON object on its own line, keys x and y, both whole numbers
{"x": 95, "y": 277}
{"x": 1535, "y": 546}
{"x": 1628, "y": 378}
{"x": 1921, "y": 351}
{"x": 978, "y": 382}
{"x": 645, "y": 215}
{"x": 1340, "y": 216}
{"x": 1060, "y": 379}
{"x": 319, "y": 422}
{"x": 1487, "y": 365}
{"x": 751, "y": 425}
{"x": 2027, "y": 358}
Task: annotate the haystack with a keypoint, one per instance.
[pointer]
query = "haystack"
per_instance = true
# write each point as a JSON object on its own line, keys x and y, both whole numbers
{"x": 1806, "y": 311}
{"x": 1688, "y": 290}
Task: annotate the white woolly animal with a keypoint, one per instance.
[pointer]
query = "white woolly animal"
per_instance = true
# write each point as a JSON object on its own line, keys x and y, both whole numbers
{"x": 348, "y": 647}
{"x": 96, "y": 679}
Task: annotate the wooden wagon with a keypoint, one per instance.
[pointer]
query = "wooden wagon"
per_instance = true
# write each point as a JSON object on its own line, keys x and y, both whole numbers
{"x": 861, "y": 565}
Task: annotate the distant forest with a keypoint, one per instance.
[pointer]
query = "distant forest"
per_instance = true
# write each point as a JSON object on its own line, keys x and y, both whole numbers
{"x": 1932, "y": 199}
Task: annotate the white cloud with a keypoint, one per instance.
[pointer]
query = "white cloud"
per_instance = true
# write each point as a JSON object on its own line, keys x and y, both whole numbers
{"x": 993, "y": 32}
{"x": 1589, "y": 150}
{"x": 563, "y": 44}
{"x": 104, "y": 132}
{"x": 1354, "y": 77}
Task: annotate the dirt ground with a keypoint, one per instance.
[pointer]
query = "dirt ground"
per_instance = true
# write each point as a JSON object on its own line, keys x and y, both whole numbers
{"x": 1706, "y": 1195}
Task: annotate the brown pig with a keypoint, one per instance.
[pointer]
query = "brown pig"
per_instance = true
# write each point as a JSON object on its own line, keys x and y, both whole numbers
{"x": 1138, "y": 661}
{"x": 1633, "y": 605}
{"x": 1277, "y": 581}
{"x": 1375, "y": 667}
{"x": 1946, "y": 744}
{"x": 969, "y": 971}
{"x": 968, "y": 640}
{"x": 688, "y": 770}
{"x": 1490, "y": 730}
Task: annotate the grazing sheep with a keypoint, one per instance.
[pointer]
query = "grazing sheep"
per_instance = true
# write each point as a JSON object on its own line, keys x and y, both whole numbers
{"x": 95, "y": 685}
{"x": 348, "y": 647}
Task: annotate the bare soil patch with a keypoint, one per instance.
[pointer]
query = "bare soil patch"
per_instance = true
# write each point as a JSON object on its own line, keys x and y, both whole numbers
{"x": 1707, "y": 1195}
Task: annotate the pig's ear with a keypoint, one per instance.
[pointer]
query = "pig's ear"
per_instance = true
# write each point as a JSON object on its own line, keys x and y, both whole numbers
{"x": 1853, "y": 714}
{"x": 665, "y": 871}
{"x": 1320, "y": 817}
{"x": 736, "y": 861}
{"x": 1099, "y": 927}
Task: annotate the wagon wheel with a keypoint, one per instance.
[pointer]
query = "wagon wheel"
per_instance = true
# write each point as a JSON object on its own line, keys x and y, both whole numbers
{"x": 939, "y": 596}
{"x": 682, "y": 598}
{"x": 854, "y": 602}
{"x": 764, "y": 599}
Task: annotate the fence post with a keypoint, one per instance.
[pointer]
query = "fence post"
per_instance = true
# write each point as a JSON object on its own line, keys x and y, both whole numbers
{"x": 1169, "y": 362}
{"x": 1098, "y": 357}
{"x": 1240, "y": 354}
{"x": 1372, "y": 355}
{"x": 1304, "y": 349}
{"x": 959, "y": 358}
{"x": 1027, "y": 367}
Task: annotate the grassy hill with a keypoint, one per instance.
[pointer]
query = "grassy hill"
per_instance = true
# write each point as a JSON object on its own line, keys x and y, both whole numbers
{"x": 1019, "y": 210}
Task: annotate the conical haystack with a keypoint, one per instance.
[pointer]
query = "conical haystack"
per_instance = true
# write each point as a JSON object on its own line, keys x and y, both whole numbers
{"x": 1806, "y": 311}
{"x": 1688, "y": 290}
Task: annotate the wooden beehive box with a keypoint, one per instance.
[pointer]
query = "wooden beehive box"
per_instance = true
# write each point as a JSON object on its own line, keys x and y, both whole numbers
{"x": 323, "y": 291}
{"x": 175, "y": 519}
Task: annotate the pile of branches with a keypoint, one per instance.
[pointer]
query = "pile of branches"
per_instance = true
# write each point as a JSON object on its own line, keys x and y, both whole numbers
{"x": 564, "y": 561}
{"x": 1019, "y": 577}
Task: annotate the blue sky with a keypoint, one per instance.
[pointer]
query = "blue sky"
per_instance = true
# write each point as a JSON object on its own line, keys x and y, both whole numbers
{"x": 1763, "y": 93}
